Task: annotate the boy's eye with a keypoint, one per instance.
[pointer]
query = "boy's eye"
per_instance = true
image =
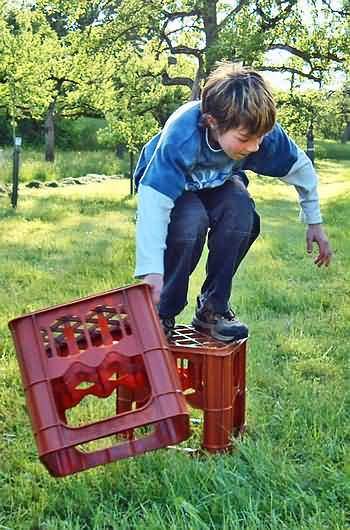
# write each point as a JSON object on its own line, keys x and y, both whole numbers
{"x": 243, "y": 140}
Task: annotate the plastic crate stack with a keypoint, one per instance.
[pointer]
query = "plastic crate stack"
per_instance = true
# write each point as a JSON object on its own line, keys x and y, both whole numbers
{"x": 111, "y": 345}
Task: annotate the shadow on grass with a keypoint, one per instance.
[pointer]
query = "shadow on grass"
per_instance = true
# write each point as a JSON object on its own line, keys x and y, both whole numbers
{"x": 54, "y": 207}
{"x": 338, "y": 210}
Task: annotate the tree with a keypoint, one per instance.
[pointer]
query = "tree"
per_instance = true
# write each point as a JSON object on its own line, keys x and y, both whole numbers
{"x": 20, "y": 67}
{"x": 343, "y": 102}
{"x": 69, "y": 41}
{"x": 125, "y": 59}
{"x": 133, "y": 100}
{"x": 206, "y": 31}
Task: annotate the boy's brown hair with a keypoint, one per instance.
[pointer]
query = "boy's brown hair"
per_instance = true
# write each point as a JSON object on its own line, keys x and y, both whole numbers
{"x": 238, "y": 97}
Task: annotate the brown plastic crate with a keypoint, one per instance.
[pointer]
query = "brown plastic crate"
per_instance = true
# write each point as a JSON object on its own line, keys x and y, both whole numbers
{"x": 213, "y": 379}
{"x": 96, "y": 346}
{"x": 212, "y": 376}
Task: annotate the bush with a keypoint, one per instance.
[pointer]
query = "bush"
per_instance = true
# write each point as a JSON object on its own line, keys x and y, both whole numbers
{"x": 332, "y": 150}
{"x": 5, "y": 130}
{"x": 79, "y": 134}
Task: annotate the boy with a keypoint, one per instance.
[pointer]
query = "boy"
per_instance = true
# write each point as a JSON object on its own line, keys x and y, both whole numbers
{"x": 192, "y": 182}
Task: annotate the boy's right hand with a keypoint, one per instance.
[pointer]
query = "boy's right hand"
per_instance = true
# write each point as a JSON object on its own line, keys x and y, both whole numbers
{"x": 155, "y": 281}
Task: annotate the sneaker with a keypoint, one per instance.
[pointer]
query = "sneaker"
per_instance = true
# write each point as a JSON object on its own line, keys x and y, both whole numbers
{"x": 225, "y": 327}
{"x": 168, "y": 325}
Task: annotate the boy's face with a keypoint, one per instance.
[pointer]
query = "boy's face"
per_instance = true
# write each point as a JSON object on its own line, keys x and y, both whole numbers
{"x": 237, "y": 143}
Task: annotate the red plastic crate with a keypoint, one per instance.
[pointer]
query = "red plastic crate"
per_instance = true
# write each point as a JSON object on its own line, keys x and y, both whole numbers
{"x": 212, "y": 376}
{"x": 213, "y": 379}
{"x": 97, "y": 346}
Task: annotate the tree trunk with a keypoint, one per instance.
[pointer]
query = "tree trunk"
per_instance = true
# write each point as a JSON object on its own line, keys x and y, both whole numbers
{"x": 210, "y": 28}
{"x": 210, "y": 22}
{"x": 49, "y": 128}
{"x": 196, "y": 88}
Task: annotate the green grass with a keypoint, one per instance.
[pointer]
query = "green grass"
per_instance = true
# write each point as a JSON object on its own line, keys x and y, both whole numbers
{"x": 67, "y": 164}
{"x": 292, "y": 468}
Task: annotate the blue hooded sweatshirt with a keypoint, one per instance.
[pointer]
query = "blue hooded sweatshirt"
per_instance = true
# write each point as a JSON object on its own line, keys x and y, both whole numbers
{"x": 180, "y": 159}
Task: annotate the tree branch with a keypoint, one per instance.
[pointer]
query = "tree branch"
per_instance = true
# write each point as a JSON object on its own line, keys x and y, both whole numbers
{"x": 181, "y": 49}
{"x": 267, "y": 22}
{"x": 61, "y": 80}
{"x": 184, "y": 81}
{"x": 345, "y": 12}
{"x": 179, "y": 14}
{"x": 307, "y": 75}
{"x": 184, "y": 27}
{"x": 292, "y": 50}
{"x": 234, "y": 11}
{"x": 84, "y": 109}
{"x": 307, "y": 57}
{"x": 164, "y": 35}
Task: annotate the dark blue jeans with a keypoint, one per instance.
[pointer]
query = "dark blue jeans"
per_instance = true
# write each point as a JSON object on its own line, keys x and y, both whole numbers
{"x": 228, "y": 216}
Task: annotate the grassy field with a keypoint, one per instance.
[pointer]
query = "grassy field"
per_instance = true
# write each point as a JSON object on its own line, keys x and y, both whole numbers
{"x": 67, "y": 164}
{"x": 292, "y": 468}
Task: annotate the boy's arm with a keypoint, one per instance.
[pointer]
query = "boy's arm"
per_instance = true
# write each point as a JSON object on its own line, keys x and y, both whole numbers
{"x": 315, "y": 233}
{"x": 162, "y": 182}
{"x": 303, "y": 176}
{"x": 151, "y": 230}
{"x": 280, "y": 157}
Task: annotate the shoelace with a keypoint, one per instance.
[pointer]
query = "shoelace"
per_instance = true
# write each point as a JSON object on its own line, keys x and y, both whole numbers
{"x": 168, "y": 323}
{"x": 229, "y": 315}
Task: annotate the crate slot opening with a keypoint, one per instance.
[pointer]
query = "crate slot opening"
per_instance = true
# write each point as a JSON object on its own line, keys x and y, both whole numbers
{"x": 85, "y": 394}
{"x": 117, "y": 439}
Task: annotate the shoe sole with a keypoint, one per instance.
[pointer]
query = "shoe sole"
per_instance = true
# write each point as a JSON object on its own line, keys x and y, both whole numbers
{"x": 209, "y": 329}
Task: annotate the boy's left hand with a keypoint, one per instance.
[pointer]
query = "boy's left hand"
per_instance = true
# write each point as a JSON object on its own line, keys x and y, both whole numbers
{"x": 315, "y": 233}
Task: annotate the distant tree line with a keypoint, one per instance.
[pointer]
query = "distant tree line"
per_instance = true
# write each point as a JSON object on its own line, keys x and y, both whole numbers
{"x": 130, "y": 63}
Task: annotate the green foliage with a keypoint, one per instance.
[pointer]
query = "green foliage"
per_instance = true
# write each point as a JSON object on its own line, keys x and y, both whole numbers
{"x": 22, "y": 54}
{"x": 80, "y": 134}
{"x": 134, "y": 99}
{"x": 241, "y": 38}
{"x": 62, "y": 55}
{"x": 108, "y": 59}
{"x": 298, "y": 109}
{"x": 5, "y": 130}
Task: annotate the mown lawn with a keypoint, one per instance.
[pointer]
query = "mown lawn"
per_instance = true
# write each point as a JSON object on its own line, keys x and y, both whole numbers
{"x": 292, "y": 468}
{"x": 67, "y": 164}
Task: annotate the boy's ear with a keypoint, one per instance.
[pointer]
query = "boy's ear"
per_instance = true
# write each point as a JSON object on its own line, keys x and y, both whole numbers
{"x": 211, "y": 121}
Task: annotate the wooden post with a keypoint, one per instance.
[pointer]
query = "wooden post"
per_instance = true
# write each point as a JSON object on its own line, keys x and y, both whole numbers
{"x": 131, "y": 154}
{"x": 15, "y": 171}
{"x": 310, "y": 145}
